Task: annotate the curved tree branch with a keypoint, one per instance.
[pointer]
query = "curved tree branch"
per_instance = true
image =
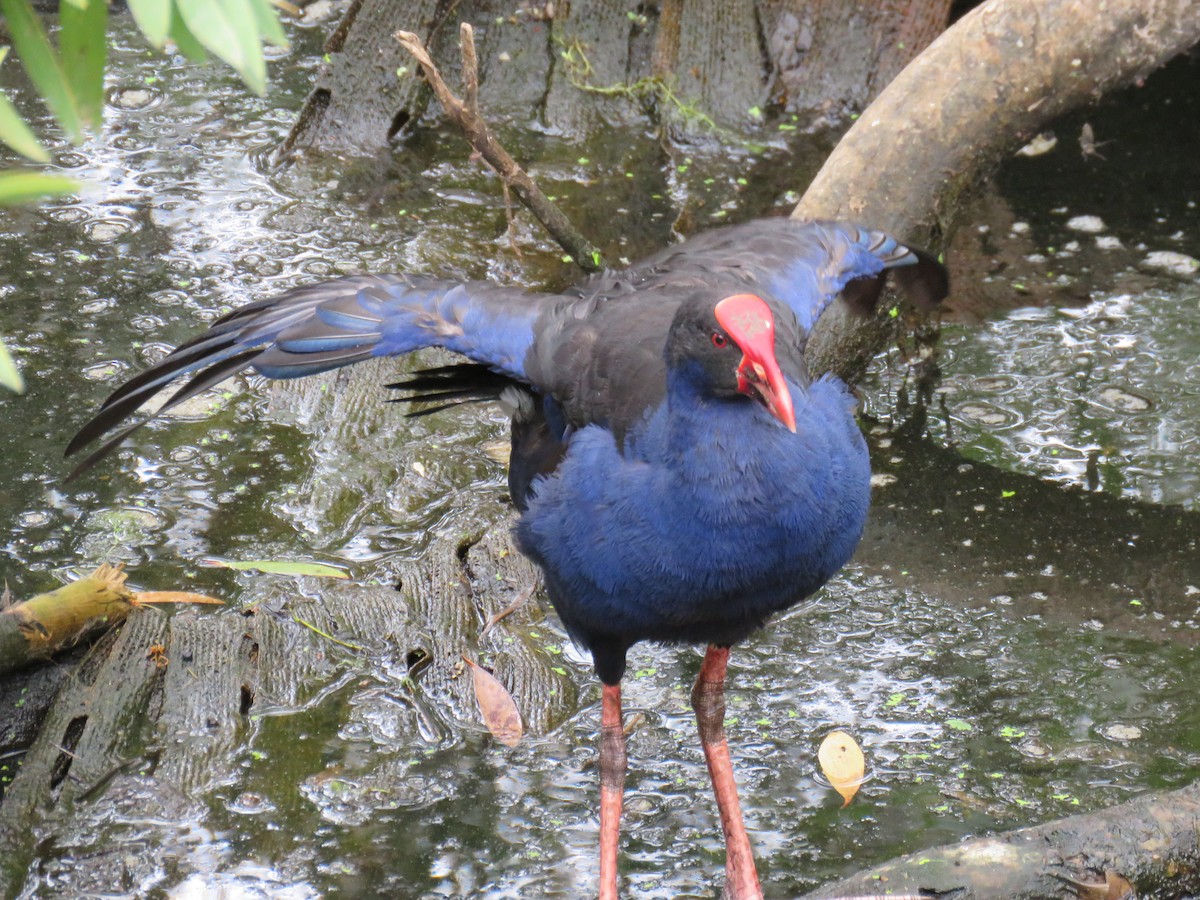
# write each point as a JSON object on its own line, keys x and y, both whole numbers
{"x": 976, "y": 93}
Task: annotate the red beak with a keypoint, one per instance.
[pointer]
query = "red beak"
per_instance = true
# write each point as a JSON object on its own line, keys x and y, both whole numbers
{"x": 748, "y": 320}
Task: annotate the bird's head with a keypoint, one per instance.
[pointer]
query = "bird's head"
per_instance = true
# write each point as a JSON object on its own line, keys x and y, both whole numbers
{"x": 730, "y": 345}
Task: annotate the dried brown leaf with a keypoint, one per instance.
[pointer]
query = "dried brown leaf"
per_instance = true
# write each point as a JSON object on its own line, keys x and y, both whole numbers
{"x": 1114, "y": 887}
{"x": 499, "y": 710}
{"x": 1118, "y": 886}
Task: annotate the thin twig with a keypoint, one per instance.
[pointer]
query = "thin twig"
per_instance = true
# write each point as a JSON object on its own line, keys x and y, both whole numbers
{"x": 512, "y": 225}
{"x": 470, "y": 71}
{"x": 466, "y": 116}
{"x": 521, "y": 600}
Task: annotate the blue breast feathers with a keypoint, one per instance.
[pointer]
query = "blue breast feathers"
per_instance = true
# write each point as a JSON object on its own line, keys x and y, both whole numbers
{"x": 714, "y": 517}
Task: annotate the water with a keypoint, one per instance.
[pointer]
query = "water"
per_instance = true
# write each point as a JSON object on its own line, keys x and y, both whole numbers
{"x": 1116, "y": 382}
{"x": 978, "y": 711}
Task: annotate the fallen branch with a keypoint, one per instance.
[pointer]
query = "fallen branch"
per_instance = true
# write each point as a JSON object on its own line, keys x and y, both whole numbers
{"x": 1147, "y": 845}
{"x": 43, "y": 625}
{"x": 47, "y": 623}
{"x": 465, "y": 114}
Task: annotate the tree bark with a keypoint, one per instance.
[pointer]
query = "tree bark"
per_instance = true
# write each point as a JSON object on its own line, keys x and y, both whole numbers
{"x": 587, "y": 65}
{"x": 979, "y": 91}
{"x": 713, "y": 53}
{"x": 359, "y": 102}
{"x": 1149, "y": 842}
{"x": 828, "y": 55}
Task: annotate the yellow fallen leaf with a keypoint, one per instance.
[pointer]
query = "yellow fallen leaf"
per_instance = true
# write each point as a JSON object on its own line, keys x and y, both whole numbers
{"x": 500, "y": 713}
{"x": 842, "y": 762}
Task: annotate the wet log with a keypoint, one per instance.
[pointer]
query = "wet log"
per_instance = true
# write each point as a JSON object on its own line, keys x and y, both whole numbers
{"x": 157, "y": 715}
{"x": 1145, "y": 848}
{"x": 149, "y": 734}
{"x": 984, "y": 87}
{"x": 26, "y": 695}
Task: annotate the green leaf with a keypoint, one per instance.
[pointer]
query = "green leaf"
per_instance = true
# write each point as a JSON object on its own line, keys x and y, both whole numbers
{"x": 41, "y": 62}
{"x": 19, "y": 186}
{"x": 153, "y": 17}
{"x": 184, "y": 40}
{"x": 10, "y": 375}
{"x": 16, "y": 134}
{"x": 228, "y": 29}
{"x": 83, "y": 48}
{"x": 244, "y": 17}
{"x": 278, "y": 567}
{"x": 268, "y": 22}
{"x": 325, "y": 634}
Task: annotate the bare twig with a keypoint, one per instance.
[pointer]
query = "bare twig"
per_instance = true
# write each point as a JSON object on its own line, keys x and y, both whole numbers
{"x": 512, "y": 225}
{"x": 470, "y": 71}
{"x": 521, "y": 600}
{"x": 465, "y": 114}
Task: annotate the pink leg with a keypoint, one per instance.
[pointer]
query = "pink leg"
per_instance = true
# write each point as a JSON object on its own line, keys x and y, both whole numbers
{"x": 612, "y": 787}
{"x": 708, "y": 701}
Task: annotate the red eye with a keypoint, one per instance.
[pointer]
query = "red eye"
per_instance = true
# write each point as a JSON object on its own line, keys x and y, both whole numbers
{"x": 719, "y": 340}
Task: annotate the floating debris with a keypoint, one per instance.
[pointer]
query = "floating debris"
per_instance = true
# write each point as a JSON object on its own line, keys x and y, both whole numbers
{"x": 842, "y": 763}
{"x": 1175, "y": 263}
{"x": 1087, "y": 224}
{"x": 1043, "y": 143}
{"x": 1118, "y": 731}
{"x": 1123, "y": 400}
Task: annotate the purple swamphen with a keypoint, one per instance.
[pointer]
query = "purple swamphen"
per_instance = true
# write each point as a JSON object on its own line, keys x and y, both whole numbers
{"x": 680, "y": 475}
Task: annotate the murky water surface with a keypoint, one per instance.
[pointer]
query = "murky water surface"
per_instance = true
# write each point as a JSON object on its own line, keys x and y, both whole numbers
{"x": 974, "y": 717}
{"x": 1112, "y": 387}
